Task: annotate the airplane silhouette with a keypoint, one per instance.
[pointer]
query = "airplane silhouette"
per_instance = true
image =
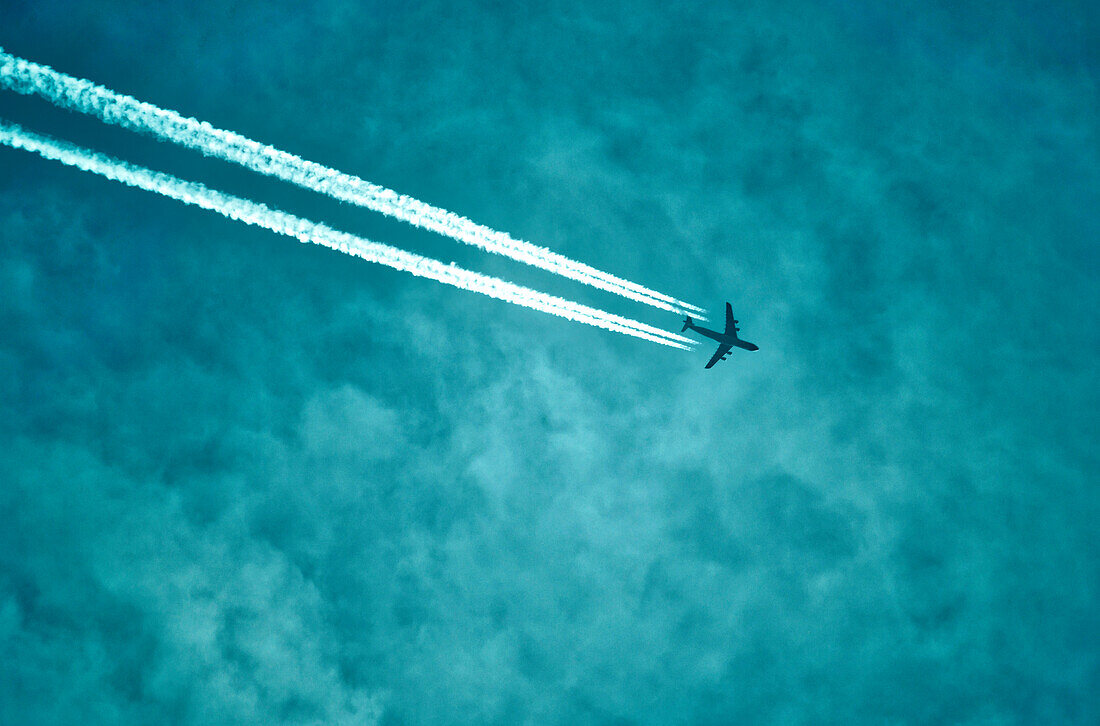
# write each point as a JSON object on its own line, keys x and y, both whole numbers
{"x": 726, "y": 340}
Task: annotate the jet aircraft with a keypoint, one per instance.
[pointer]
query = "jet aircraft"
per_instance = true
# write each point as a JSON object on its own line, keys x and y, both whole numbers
{"x": 726, "y": 340}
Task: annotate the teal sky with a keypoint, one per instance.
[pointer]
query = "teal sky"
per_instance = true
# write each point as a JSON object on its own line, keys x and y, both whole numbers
{"x": 247, "y": 481}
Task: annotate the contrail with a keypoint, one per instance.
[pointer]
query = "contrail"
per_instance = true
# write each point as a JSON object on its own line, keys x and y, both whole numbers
{"x": 304, "y": 230}
{"x": 29, "y": 78}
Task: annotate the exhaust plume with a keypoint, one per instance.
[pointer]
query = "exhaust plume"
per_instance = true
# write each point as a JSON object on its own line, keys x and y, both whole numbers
{"x": 304, "y": 230}
{"x": 86, "y": 97}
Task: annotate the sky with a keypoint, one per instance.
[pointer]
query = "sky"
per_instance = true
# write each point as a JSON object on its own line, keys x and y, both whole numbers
{"x": 249, "y": 481}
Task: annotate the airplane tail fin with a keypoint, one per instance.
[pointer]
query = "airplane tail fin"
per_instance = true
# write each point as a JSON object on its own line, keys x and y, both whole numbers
{"x": 688, "y": 322}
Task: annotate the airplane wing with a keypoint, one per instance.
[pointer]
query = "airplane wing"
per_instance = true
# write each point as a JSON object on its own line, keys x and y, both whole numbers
{"x": 723, "y": 350}
{"x": 731, "y": 324}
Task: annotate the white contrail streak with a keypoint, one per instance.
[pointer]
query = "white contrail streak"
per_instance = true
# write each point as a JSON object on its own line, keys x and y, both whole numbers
{"x": 304, "y": 230}
{"x": 76, "y": 94}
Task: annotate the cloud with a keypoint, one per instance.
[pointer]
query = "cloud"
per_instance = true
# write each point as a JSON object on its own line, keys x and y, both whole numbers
{"x": 151, "y": 616}
{"x": 252, "y": 496}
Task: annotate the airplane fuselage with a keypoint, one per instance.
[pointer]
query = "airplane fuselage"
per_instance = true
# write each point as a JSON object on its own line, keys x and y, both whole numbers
{"x": 724, "y": 339}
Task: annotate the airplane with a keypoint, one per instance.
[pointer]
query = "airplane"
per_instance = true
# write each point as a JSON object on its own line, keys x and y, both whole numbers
{"x": 726, "y": 340}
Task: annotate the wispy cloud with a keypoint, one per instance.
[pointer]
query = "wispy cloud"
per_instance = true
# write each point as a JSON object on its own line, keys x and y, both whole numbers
{"x": 303, "y": 230}
{"x": 84, "y": 96}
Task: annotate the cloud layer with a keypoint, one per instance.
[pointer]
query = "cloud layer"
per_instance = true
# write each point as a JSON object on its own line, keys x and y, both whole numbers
{"x": 317, "y": 492}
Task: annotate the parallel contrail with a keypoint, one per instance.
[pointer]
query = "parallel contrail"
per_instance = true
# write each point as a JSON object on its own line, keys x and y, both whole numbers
{"x": 304, "y": 230}
{"x": 76, "y": 94}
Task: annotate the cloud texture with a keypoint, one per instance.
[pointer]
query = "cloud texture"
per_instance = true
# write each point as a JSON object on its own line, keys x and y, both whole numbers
{"x": 319, "y": 492}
